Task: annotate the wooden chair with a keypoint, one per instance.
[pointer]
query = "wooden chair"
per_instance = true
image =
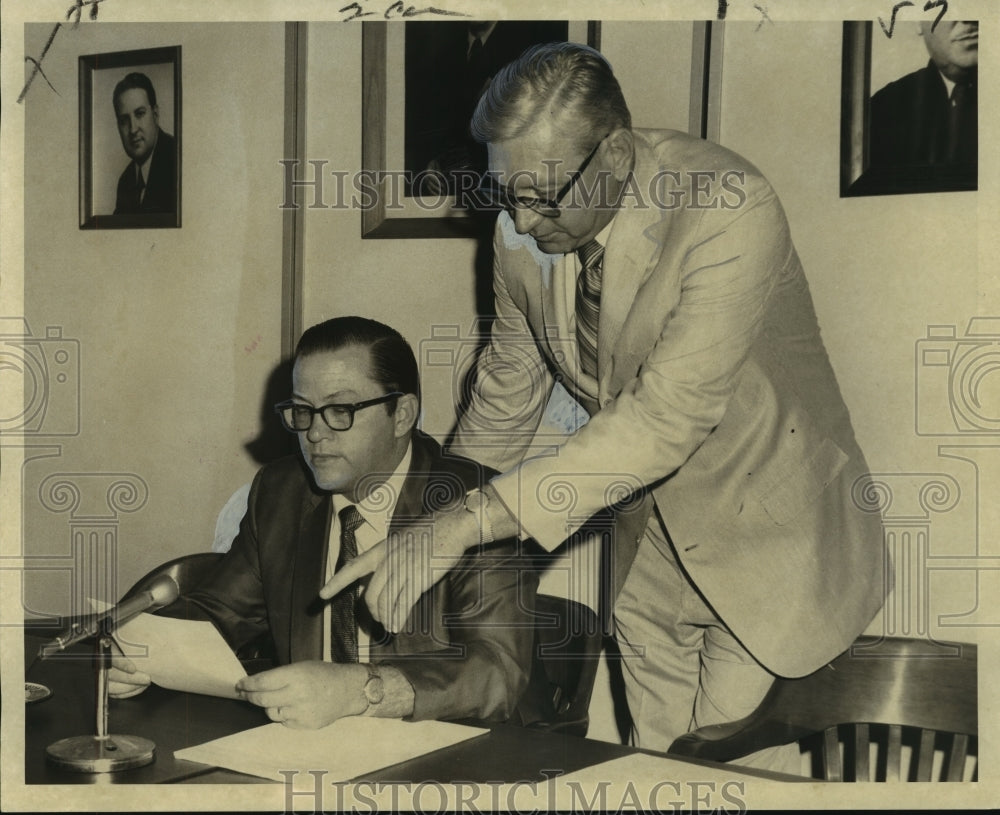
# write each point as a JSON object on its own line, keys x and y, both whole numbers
{"x": 567, "y": 648}
{"x": 892, "y": 693}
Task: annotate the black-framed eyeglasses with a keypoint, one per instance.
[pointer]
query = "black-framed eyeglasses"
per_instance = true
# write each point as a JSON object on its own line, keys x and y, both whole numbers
{"x": 493, "y": 194}
{"x": 298, "y": 417}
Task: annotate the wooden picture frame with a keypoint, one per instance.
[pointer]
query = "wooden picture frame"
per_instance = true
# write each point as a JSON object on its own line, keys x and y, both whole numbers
{"x": 103, "y": 159}
{"x": 860, "y": 175}
{"x": 387, "y": 212}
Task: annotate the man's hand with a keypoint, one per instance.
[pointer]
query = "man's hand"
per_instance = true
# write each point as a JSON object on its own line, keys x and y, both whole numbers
{"x": 308, "y": 695}
{"x": 407, "y": 564}
{"x": 124, "y": 679}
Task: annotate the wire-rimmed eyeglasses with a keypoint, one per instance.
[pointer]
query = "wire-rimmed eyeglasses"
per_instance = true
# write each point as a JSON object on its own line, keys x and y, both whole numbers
{"x": 298, "y": 417}
{"x": 498, "y": 196}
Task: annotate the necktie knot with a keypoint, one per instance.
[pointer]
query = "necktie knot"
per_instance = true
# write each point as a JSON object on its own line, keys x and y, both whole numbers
{"x": 590, "y": 254}
{"x": 350, "y": 520}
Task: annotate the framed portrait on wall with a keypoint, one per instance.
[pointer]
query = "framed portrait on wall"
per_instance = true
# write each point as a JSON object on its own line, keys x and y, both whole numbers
{"x": 130, "y": 139}
{"x": 420, "y": 84}
{"x": 909, "y": 116}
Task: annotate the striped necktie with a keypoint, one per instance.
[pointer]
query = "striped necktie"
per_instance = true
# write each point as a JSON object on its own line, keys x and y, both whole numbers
{"x": 588, "y": 304}
{"x": 343, "y": 623}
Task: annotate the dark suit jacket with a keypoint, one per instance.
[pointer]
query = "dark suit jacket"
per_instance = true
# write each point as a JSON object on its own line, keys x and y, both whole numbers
{"x": 467, "y": 646}
{"x": 161, "y": 186}
{"x": 910, "y": 124}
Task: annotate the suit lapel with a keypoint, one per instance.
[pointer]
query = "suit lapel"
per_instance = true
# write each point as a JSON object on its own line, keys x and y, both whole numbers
{"x": 633, "y": 248}
{"x": 305, "y": 635}
{"x": 409, "y": 506}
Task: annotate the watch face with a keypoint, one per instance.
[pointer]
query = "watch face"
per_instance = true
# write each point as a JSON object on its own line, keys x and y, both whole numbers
{"x": 374, "y": 690}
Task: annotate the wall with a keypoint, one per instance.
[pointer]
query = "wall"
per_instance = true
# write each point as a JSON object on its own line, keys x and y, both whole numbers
{"x": 883, "y": 269}
{"x": 177, "y": 330}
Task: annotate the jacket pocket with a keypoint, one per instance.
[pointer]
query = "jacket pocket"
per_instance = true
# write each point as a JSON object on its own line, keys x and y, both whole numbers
{"x": 785, "y": 500}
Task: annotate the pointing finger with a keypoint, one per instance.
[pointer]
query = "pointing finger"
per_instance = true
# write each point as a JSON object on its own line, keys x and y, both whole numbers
{"x": 356, "y": 569}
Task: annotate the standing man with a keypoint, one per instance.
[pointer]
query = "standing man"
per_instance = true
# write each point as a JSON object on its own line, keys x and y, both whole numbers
{"x": 364, "y": 469}
{"x": 149, "y": 182}
{"x": 655, "y": 274}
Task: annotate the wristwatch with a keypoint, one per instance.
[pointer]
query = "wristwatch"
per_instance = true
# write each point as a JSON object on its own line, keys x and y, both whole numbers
{"x": 477, "y": 502}
{"x": 374, "y": 686}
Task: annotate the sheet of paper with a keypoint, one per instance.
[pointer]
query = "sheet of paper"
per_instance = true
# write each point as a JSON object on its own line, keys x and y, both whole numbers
{"x": 644, "y": 770}
{"x": 346, "y": 749}
{"x": 188, "y": 655}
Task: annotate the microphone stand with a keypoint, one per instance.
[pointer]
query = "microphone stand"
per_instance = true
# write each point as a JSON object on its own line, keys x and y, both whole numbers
{"x": 101, "y": 753}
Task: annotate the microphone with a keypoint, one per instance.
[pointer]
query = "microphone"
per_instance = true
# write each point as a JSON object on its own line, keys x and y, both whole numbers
{"x": 162, "y": 591}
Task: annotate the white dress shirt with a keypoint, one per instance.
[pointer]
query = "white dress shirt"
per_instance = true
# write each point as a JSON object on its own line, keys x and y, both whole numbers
{"x": 376, "y": 510}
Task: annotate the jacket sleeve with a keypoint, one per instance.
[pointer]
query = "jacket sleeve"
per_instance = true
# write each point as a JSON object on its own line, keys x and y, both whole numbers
{"x": 231, "y": 595}
{"x": 480, "y": 664}
{"x": 512, "y": 380}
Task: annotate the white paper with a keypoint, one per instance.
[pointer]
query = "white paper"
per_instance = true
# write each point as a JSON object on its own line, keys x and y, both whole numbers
{"x": 643, "y": 770}
{"x": 348, "y": 748}
{"x": 187, "y": 655}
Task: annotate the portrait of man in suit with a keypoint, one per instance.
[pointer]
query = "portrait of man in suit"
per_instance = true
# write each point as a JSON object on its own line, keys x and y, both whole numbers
{"x": 148, "y": 184}
{"x": 927, "y": 121}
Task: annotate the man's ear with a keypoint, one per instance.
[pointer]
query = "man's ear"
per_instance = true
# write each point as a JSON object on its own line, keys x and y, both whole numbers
{"x": 620, "y": 155}
{"x": 406, "y": 414}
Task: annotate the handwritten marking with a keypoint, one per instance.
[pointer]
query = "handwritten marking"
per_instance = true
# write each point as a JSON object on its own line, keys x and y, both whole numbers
{"x": 37, "y": 63}
{"x": 763, "y": 16}
{"x": 722, "y": 9}
{"x": 932, "y": 4}
{"x": 396, "y": 10}
{"x": 75, "y": 11}
{"x": 253, "y": 344}
{"x": 892, "y": 21}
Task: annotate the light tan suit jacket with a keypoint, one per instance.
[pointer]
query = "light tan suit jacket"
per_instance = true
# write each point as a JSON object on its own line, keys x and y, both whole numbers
{"x": 714, "y": 393}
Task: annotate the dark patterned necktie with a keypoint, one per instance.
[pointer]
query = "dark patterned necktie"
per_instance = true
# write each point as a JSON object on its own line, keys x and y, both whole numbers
{"x": 343, "y": 622}
{"x": 137, "y": 189}
{"x": 588, "y": 304}
{"x": 962, "y": 124}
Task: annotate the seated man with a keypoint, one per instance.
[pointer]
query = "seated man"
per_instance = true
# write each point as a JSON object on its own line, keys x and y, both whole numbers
{"x": 467, "y": 648}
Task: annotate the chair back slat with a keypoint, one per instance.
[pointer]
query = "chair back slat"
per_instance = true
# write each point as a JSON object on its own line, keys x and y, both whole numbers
{"x": 894, "y": 751}
{"x": 861, "y": 752}
{"x": 955, "y": 767}
{"x": 832, "y": 764}
{"x": 925, "y": 755}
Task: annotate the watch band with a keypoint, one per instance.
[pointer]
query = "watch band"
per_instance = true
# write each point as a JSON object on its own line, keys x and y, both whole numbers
{"x": 477, "y": 502}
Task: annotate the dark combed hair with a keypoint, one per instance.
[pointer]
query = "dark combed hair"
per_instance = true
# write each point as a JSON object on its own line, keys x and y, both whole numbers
{"x": 391, "y": 359}
{"x": 570, "y": 80}
{"x": 134, "y": 80}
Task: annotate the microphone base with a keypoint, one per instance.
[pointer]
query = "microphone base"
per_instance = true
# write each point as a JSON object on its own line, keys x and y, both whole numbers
{"x": 94, "y": 754}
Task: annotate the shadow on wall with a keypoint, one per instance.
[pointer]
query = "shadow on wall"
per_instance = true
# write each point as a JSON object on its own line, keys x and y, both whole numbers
{"x": 272, "y": 440}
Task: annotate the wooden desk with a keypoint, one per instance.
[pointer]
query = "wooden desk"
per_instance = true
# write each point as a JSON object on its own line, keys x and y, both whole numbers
{"x": 174, "y": 720}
